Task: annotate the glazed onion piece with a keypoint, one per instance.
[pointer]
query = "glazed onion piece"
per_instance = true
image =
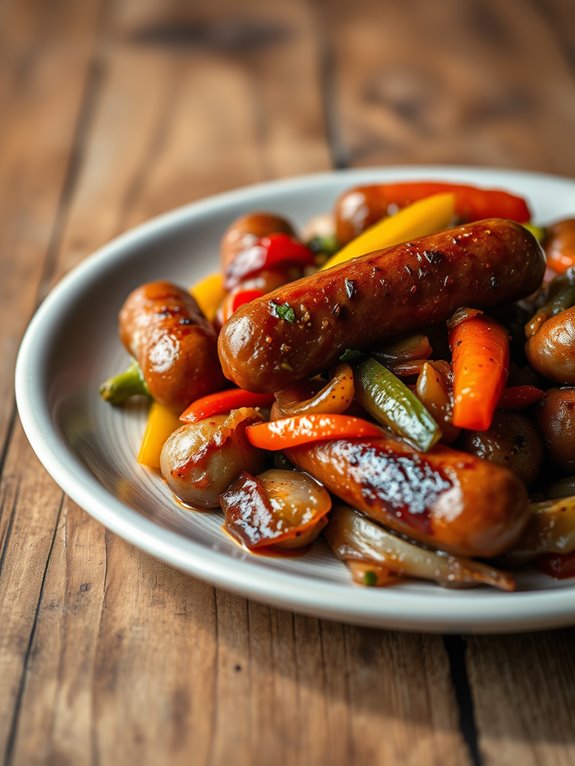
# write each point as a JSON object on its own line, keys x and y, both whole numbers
{"x": 434, "y": 391}
{"x": 551, "y": 350}
{"x": 551, "y": 529}
{"x": 352, "y": 536}
{"x": 405, "y": 350}
{"x": 283, "y": 509}
{"x": 556, "y": 420}
{"x": 200, "y": 460}
{"x": 335, "y": 397}
{"x": 511, "y": 441}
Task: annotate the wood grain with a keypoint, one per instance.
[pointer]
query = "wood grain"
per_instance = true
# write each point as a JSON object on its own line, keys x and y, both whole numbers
{"x": 114, "y": 112}
{"x": 475, "y": 83}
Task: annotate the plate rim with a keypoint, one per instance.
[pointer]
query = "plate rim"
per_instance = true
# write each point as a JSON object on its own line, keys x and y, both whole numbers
{"x": 396, "y": 609}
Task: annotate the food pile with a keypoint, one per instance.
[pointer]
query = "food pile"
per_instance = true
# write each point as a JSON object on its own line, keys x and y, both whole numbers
{"x": 400, "y": 380}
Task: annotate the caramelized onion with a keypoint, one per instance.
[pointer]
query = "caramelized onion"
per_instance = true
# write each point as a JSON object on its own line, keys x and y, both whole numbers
{"x": 551, "y": 529}
{"x": 405, "y": 350}
{"x": 277, "y": 508}
{"x": 352, "y": 536}
{"x": 433, "y": 389}
{"x": 335, "y": 397}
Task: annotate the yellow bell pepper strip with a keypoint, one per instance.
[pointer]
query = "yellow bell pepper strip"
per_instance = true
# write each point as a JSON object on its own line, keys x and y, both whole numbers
{"x": 162, "y": 422}
{"x": 480, "y": 348}
{"x": 224, "y": 401}
{"x": 302, "y": 429}
{"x": 209, "y": 293}
{"x": 417, "y": 220}
{"x": 119, "y": 388}
{"x": 392, "y": 404}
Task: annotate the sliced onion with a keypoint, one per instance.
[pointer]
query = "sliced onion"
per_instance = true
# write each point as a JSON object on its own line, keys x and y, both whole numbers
{"x": 335, "y": 397}
{"x": 405, "y": 350}
{"x": 551, "y": 529}
{"x": 352, "y": 536}
{"x": 276, "y": 508}
{"x": 433, "y": 390}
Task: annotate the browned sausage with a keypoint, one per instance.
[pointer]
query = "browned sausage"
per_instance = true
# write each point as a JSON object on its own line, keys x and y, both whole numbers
{"x": 362, "y": 206}
{"x": 303, "y": 328}
{"x": 163, "y": 327}
{"x": 447, "y": 499}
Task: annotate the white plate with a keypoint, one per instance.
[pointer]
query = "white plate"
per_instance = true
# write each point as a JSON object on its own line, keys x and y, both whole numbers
{"x": 88, "y": 447}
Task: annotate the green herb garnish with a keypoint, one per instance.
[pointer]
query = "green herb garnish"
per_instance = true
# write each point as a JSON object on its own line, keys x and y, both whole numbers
{"x": 370, "y": 579}
{"x": 283, "y": 311}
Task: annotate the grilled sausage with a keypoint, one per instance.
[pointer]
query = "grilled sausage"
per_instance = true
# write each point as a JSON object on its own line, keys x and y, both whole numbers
{"x": 302, "y": 328}
{"x": 163, "y": 327}
{"x": 446, "y": 499}
{"x": 360, "y": 207}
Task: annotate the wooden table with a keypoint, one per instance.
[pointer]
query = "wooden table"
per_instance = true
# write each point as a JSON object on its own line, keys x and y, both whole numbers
{"x": 111, "y": 112}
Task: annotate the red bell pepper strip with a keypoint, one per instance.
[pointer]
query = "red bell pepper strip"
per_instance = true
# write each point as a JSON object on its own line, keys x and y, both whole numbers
{"x": 557, "y": 565}
{"x": 471, "y": 203}
{"x": 480, "y": 348}
{"x": 302, "y": 429}
{"x": 519, "y": 397}
{"x": 234, "y": 300}
{"x": 272, "y": 252}
{"x": 224, "y": 401}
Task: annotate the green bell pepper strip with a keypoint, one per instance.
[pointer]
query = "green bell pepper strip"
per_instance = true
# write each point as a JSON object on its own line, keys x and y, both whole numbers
{"x": 119, "y": 388}
{"x": 392, "y": 404}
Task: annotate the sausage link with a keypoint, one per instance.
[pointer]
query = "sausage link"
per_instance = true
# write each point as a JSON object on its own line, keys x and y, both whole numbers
{"x": 163, "y": 327}
{"x": 303, "y": 328}
{"x": 447, "y": 499}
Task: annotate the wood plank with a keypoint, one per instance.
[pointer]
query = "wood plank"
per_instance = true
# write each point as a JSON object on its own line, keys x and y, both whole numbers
{"x": 131, "y": 660}
{"x": 448, "y": 83}
{"x": 44, "y": 54}
{"x": 524, "y": 698}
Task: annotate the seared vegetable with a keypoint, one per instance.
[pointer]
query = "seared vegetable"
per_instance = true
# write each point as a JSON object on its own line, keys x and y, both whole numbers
{"x": 284, "y": 509}
{"x": 200, "y": 460}
{"x": 335, "y": 397}
{"x": 559, "y": 245}
{"x": 303, "y": 429}
{"x": 551, "y": 529}
{"x": 556, "y": 419}
{"x": 480, "y": 348}
{"x": 161, "y": 424}
{"x": 433, "y": 390}
{"x": 119, "y": 388}
{"x": 418, "y": 220}
{"x": 224, "y": 401}
{"x": 511, "y": 441}
{"x": 520, "y": 397}
{"x": 353, "y": 537}
{"x": 551, "y": 350}
{"x": 392, "y": 404}
{"x": 405, "y": 350}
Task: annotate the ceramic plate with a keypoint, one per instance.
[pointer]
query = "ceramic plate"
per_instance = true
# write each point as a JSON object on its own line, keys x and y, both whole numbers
{"x": 89, "y": 447}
